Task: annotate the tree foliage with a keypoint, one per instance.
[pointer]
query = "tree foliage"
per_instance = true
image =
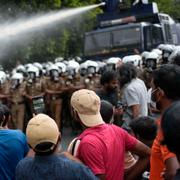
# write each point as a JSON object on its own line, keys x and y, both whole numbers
{"x": 58, "y": 40}
{"x": 170, "y": 7}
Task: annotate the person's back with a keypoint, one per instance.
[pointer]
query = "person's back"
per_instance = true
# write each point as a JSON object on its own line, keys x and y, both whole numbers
{"x": 43, "y": 136}
{"x": 51, "y": 167}
{"x": 108, "y": 143}
{"x": 13, "y": 148}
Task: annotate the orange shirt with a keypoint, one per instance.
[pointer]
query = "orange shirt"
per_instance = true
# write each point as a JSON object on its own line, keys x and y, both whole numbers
{"x": 159, "y": 154}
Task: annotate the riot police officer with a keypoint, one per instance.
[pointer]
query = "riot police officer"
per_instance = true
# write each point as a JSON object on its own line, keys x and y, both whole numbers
{"x": 35, "y": 89}
{"x": 16, "y": 91}
{"x": 54, "y": 91}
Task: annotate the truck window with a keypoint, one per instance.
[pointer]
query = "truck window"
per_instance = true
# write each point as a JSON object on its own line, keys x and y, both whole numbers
{"x": 126, "y": 36}
{"x": 97, "y": 43}
{"x": 168, "y": 33}
{"x": 147, "y": 38}
{"x": 118, "y": 41}
{"x": 157, "y": 36}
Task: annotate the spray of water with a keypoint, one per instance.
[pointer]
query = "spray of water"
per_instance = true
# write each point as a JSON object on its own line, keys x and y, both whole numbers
{"x": 19, "y": 27}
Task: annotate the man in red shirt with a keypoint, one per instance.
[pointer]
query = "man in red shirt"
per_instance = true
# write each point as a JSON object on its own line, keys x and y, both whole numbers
{"x": 102, "y": 146}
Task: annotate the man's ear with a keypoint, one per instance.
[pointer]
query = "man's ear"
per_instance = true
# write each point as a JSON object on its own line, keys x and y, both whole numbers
{"x": 161, "y": 92}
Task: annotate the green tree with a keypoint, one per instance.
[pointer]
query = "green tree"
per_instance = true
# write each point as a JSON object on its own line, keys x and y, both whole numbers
{"x": 64, "y": 40}
{"x": 170, "y": 7}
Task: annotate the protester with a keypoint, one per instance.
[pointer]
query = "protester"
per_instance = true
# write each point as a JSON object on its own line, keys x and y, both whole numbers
{"x": 13, "y": 148}
{"x": 102, "y": 146}
{"x": 109, "y": 85}
{"x": 44, "y": 138}
{"x": 134, "y": 93}
{"x": 107, "y": 113}
{"x": 165, "y": 90}
{"x": 109, "y": 92}
{"x": 170, "y": 125}
{"x": 144, "y": 129}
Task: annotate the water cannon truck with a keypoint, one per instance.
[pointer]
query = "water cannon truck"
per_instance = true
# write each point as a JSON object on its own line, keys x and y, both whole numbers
{"x": 124, "y": 31}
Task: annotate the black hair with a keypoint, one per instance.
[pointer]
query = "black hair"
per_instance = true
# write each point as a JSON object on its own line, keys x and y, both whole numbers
{"x": 106, "y": 111}
{"x": 45, "y": 149}
{"x": 7, "y": 114}
{"x": 167, "y": 77}
{"x": 107, "y": 77}
{"x": 145, "y": 127}
{"x": 170, "y": 124}
{"x": 126, "y": 72}
{"x": 1, "y": 116}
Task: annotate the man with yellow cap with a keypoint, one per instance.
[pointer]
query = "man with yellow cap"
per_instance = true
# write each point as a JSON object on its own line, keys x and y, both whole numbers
{"x": 44, "y": 137}
{"x": 102, "y": 146}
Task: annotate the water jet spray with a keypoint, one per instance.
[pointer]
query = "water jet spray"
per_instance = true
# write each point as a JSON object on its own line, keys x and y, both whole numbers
{"x": 14, "y": 29}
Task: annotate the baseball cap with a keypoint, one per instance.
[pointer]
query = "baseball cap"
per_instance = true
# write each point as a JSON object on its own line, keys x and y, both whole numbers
{"x": 41, "y": 129}
{"x": 87, "y": 104}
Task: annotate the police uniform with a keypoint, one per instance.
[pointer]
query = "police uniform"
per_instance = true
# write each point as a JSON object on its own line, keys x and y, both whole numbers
{"x": 18, "y": 105}
{"x": 55, "y": 100}
{"x": 4, "y": 90}
{"x": 36, "y": 88}
{"x": 92, "y": 83}
{"x": 72, "y": 85}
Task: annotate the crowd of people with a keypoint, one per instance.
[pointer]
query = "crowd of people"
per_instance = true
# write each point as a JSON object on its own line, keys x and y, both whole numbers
{"x": 127, "y": 111}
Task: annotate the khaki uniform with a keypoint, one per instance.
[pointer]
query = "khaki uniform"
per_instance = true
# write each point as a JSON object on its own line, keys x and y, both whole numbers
{"x": 4, "y": 90}
{"x": 92, "y": 83}
{"x": 55, "y": 100}
{"x": 18, "y": 106}
{"x": 72, "y": 85}
{"x": 36, "y": 88}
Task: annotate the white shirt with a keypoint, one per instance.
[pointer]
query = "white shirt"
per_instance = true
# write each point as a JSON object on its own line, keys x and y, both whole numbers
{"x": 135, "y": 93}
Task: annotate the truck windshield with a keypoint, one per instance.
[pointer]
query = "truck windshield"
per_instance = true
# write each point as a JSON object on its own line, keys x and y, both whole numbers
{"x": 153, "y": 36}
{"x": 112, "y": 40}
{"x": 157, "y": 36}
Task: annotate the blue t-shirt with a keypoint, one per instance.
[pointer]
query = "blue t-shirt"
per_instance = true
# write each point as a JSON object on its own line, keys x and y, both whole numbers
{"x": 13, "y": 148}
{"x": 52, "y": 167}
